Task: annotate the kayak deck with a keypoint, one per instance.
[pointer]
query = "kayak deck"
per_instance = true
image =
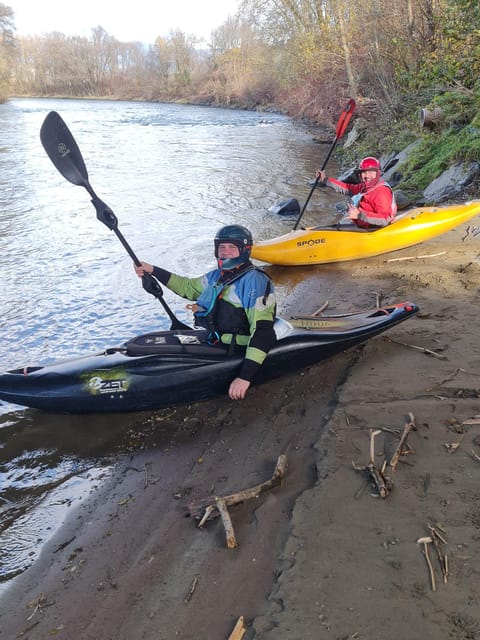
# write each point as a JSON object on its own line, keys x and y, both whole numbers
{"x": 171, "y": 367}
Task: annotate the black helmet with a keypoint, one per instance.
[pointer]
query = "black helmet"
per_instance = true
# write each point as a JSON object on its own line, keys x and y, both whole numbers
{"x": 241, "y": 238}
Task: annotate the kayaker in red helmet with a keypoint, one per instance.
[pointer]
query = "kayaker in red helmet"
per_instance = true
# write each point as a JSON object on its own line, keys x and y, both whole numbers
{"x": 372, "y": 201}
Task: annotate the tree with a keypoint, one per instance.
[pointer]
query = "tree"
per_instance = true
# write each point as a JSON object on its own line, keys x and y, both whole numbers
{"x": 240, "y": 64}
{"x": 183, "y": 55}
{"x": 7, "y": 49}
{"x": 454, "y": 55}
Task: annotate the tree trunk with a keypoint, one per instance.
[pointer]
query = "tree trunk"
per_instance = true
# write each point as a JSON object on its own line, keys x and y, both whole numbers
{"x": 337, "y": 7}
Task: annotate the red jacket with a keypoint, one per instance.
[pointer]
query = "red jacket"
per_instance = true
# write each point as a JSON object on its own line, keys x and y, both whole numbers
{"x": 376, "y": 203}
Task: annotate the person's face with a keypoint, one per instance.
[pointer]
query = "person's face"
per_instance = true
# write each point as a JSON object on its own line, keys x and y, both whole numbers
{"x": 228, "y": 250}
{"x": 369, "y": 174}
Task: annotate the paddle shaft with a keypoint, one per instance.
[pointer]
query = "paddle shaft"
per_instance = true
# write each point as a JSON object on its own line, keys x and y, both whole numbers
{"x": 65, "y": 154}
{"x": 99, "y": 206}
{"x": 341, "y": 127}
{"x": 317, "y": 179}
{"x": 149, "y": 282}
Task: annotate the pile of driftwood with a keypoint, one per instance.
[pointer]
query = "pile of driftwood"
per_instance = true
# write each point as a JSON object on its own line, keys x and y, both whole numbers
{"x": 383, "y": 485}
{"x": 214, "y": 506}
{"x": 378, "y": 474}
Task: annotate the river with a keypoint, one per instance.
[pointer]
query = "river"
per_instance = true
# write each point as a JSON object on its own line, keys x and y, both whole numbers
{"x": 173, "y": 174}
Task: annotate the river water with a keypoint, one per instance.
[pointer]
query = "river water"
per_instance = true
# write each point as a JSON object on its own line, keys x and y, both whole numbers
{"x": 173, "y": 174}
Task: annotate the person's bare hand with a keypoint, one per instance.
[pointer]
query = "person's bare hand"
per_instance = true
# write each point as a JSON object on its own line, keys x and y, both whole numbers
{"x": 353, "y": 212}
{"x": 238, "y": 388}
{"x": 142, "y": 269}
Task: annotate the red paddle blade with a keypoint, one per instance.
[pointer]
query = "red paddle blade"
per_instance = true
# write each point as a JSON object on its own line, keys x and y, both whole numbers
{"x": 344, "y": 118}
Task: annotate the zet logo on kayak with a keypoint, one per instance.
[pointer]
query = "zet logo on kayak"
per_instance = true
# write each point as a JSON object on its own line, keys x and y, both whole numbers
{"x": 311, "y": 242}
{"x": 106, "y": 382}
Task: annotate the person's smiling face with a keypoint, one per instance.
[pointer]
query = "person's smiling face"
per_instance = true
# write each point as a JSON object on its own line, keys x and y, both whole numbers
{"x": 368, "y": 174}
{"x": 228, "y": 250}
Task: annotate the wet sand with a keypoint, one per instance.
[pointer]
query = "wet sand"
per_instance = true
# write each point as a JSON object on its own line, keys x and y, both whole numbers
{"x": 321, "y": 556}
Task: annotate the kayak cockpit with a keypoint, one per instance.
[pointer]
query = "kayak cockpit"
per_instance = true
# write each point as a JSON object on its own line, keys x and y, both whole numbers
{"x": 185, "y": 341}
{"x": 347, "y": 225}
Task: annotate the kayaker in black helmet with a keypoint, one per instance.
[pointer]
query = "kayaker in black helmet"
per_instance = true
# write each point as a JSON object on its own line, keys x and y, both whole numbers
{"x": 372, "y": 202}
{"x": 235, "y": 302}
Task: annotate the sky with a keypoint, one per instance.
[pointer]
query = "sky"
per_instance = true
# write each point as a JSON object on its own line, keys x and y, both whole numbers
{"x": 140, "y": 20}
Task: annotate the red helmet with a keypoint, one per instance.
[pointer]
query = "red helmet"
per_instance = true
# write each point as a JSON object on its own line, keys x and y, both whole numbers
{"x": 369, "y": 164}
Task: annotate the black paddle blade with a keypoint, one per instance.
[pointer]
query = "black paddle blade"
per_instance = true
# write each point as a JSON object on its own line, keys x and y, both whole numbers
{"x": 62, "y": 150}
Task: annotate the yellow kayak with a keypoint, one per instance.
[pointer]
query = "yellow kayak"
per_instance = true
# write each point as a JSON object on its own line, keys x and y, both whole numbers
{"x": 342, "y": 242}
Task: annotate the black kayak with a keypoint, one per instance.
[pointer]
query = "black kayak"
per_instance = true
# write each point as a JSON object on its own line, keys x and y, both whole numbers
{"x": 171, "y": 367}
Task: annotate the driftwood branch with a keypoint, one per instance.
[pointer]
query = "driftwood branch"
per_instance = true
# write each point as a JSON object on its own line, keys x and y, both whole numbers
{"x": 475, "y": 455}
{"x": 428, "y": 352}
{"x": 451, "y": 447}
{"x": 214, "y": 506}
{"x": 227, "y": 523}
{"x": 209, "y": 513}
{"x": 320, "y": 309}
{"x": 238, "y": 630}
{"x": 425, "y": 542}
{"x": 381, "y": 482}
{"x": 438, "y": 539}
{"x": 471, "y": 231}
{"x": 410, "y": 426}
{"x": 191, "y": 590}
{"x": 447, "y": 379}
{"x": 378, "y": 298}
{"x": 430, "y": 255}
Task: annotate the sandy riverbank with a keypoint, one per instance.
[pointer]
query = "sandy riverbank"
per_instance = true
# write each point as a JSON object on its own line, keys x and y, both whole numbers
{"x": 318, "y": 557}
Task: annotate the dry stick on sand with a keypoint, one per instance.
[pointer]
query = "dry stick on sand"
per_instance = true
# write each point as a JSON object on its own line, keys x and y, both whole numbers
{"x": 430, "y": 255}
{"x": 227, "y": 523}
{"x": 447, "y": 379}
{"x": 475, "y": 455}
{"x": 214, "y": 506}
{"x": 238, "y": 630}
{"x": 451, "y": 447}
{"x": 437, "y": 538}
{"x": 378, "y": 299}
{"x": 425, "y": 542}
{"x": 320, "y": 309}
{"x": 191, "y": 590}
{"x": 382, "y": 483}
{"x": 471, "y": 231}
{"x": 428, "y": 352}
{"x": 410, "y": 426}
{"x": 471, "y": 421}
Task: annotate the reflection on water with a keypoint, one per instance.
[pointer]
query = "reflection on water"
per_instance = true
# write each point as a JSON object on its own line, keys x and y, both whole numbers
{"x": 173, "y": 174}
{"x": 48, "y": 463}
{"x": 31, "y": 517}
